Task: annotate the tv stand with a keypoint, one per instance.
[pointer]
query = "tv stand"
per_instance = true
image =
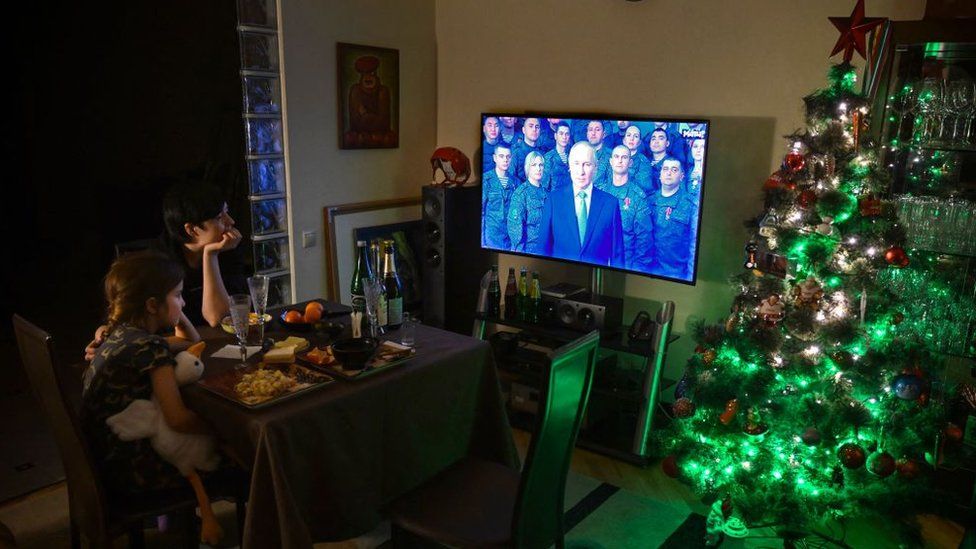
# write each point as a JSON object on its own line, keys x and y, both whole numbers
{"x": 623, "y": 400}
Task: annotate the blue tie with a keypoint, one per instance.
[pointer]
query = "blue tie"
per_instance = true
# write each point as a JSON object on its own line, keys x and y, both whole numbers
{"x": 581, "y": 219}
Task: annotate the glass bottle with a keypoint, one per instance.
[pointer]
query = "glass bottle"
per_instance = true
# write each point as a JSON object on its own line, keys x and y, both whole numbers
{"x": 511, "y": 296}
{"x": 362, "y": 271}
{"x": 523, "y": 295}
{"x": 393, "y": 289}
{"x": 494, "y": 294}
{"x": 535, "y": 298}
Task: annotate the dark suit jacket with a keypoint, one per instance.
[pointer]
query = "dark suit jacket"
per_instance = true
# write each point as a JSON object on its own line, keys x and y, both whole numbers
{"x": 603, "y": 243}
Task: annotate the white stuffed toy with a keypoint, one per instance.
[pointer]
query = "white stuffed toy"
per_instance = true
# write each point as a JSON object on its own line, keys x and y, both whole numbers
{"x": 188, "y": 452}
{"x": 143, "y": 419}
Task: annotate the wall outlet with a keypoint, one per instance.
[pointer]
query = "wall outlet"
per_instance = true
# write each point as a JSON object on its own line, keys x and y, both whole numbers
{"x": 308, "y": 239}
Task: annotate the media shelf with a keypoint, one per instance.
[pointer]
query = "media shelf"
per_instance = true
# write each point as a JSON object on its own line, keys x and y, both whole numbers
{"x": 622, "y": 399}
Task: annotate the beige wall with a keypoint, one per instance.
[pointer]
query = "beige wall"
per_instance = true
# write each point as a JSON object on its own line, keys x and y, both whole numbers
{"x": 319, "y": 173}
{"x": 745, "y": 64}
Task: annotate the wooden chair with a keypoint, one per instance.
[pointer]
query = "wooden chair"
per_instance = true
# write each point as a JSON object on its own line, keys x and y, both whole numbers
{"x": 91, "y": 512}
{"x": 476, "y": 503}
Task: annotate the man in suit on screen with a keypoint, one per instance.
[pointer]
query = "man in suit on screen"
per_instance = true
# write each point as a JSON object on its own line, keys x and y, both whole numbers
{"x": 580, "y": 222}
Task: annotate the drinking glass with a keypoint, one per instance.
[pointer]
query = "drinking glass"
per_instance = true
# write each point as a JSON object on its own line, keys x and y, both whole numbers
{"x": 240, "y": 307}
{"x": 959, "y": 99}
{"x": 258, "y": 285}
{"x": 374, "y": 291}
{"x": 408, "y": 330}
{"x": 930, "y": 105}
{"x": 903, "y": 104}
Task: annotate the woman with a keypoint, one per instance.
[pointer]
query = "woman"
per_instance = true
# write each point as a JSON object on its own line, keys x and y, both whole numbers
{"x": 640, "y": 166}
{"x": 697, "y": 167}
{"x": 525, "y": 211}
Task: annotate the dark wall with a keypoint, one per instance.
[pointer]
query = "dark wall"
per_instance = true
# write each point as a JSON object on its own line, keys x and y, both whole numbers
{"x": 116, "y": 101}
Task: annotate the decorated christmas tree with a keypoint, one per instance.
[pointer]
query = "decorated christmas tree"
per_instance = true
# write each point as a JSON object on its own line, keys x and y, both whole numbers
{"x": 813, "y": 401}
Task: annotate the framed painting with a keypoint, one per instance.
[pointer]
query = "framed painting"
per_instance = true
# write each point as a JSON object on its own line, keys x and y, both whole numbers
{"x": 368, "y": 97}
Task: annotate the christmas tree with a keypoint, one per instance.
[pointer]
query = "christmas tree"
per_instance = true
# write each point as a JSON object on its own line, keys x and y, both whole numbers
{"x": 813, "y": 400}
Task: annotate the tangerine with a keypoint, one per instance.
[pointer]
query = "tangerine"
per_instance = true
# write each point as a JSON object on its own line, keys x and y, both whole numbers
{"x": 293, "y": 316}
{"x": 313, "y": 314}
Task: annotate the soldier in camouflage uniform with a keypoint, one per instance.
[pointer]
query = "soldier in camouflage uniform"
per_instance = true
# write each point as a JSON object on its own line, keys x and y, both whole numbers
{"x": 674, "y": 215}
{"x": 496, "y": 194}
{"x": 525, "y": 211}
{"x": 635, "y": 216}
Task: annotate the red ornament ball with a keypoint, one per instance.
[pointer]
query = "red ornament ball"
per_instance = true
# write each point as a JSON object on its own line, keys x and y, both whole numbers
{"x": 806, "y": 199}
{"x": 896, "y": 257}
{"x": 670, "y": 466}
{"x": 897, "y": 318}
{"x": 851, "y": 456}
{"x": 881, "y": 464}
{"x": 811, "y": 437}
{"x": 795, "y": 161}
{"x": 953, "y": 433}
{"x": 907, "y": 468}
{"x": 683, "y": 408}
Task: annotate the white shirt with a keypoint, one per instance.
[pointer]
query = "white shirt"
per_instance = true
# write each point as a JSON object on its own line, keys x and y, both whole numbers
{"x": 577, "y": 202}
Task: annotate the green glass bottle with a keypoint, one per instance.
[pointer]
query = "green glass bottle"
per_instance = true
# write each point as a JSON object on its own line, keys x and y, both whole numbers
{"x": 535, "y": 299}
{"x": 523, "y": 295}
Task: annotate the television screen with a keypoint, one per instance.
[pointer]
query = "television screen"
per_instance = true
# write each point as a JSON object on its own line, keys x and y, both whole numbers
{"x": 620, "y": 194}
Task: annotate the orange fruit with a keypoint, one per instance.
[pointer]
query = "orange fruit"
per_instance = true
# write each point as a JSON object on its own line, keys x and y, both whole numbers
{"x": 313, "y": 314}
{"x": 293, "y": 316}
{"x": 314, "y": 305}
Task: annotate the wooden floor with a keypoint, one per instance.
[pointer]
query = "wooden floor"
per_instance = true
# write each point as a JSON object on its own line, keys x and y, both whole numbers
{"x": 49, "y": 504}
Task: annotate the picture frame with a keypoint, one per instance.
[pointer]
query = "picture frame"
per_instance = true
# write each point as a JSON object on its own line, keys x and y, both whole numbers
{"x": 368, "y": 96}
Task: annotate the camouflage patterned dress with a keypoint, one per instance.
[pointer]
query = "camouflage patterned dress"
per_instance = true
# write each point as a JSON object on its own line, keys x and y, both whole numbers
{"x": 122, "y": 368}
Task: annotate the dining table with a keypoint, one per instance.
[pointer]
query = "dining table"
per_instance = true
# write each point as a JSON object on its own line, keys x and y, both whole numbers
{"x": 326, "y": 463}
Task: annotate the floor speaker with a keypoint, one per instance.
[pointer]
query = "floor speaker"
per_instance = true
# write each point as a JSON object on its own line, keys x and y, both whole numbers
{"x": 453, "y": 261}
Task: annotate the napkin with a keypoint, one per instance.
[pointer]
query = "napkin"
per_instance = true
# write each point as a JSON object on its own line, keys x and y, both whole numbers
{"x": 234, "y": 351}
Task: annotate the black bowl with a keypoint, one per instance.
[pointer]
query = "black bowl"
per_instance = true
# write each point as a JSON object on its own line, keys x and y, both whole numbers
{"x": 294, "y": 326}
{"x": 354, "y": 352}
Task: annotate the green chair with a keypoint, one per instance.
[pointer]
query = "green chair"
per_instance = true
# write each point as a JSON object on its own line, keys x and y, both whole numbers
{"x": 476, "y": 503}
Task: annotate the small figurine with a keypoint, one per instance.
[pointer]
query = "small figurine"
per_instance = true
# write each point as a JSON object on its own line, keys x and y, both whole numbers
{"x": 808, "y": 293}
{"x": 771, "y": 310}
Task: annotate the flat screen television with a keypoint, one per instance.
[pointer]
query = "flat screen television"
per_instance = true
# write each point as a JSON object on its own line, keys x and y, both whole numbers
{"x": 595, "y": 190}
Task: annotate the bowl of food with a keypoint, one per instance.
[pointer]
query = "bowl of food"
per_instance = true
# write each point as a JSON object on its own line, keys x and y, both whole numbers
{"x": 227, "y": 325}
{"x": 354, "y": 352}
{"x": 302, "y": 320}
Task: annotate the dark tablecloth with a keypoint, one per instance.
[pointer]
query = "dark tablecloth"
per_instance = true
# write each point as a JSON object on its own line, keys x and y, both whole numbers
{"x": 325, "y": 464}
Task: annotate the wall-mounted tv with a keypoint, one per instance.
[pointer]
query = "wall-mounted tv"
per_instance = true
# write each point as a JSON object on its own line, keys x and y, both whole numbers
{"x": 595, "y": 190}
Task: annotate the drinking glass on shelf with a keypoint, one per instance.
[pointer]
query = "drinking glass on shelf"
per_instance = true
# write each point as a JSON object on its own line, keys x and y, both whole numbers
{"x": 374, "y": 291}
{"x": 408, "y": 330}
{"x": 961, "y": 102}
{"x": 240, "y": 307}
{"x": 904, "y": 104}
{"x": 258, "y": 285}
{"x": 930, "y": 105}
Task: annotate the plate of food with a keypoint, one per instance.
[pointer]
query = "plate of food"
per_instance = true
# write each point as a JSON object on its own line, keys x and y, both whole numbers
{"x": 252, "y": 320}
{"x": 342, "y": 358}
{"x": 263, "y": 384}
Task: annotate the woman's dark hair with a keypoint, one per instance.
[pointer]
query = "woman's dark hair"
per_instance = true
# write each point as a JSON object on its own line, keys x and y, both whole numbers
{"x": 190, "y": 202}
{"x": 133, "y": 279}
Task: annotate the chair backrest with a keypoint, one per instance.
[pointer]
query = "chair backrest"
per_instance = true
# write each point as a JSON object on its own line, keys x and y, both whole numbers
{"x": 122, "y": 248}
{"x": 84, "y": 488}
{"x": 538, "y": 518}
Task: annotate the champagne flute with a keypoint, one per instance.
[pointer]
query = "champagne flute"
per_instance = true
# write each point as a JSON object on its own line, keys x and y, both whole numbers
{"x": 373, "y": 289}
{"x": 258, "y": 285}
{"x": 240, "y": 307}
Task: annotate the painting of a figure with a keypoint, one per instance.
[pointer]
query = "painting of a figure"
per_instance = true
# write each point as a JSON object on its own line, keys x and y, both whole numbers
{"x": 368, "y": 93}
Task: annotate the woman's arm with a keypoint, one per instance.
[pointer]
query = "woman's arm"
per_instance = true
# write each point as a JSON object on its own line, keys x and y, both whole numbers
{"x": 167, "y": 393}
{"x": 186, "y": 335}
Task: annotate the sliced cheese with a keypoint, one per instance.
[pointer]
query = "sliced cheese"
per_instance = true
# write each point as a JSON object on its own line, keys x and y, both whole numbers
{"x": 280, "y": 355}
{"x": 298, "y": 343}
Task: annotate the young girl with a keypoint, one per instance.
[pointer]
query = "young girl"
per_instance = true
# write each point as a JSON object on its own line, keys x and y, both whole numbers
{"x": 144, "y": 293}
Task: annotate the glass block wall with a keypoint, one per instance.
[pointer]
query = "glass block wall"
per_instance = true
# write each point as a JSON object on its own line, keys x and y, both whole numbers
{"x": 257, "y": 26}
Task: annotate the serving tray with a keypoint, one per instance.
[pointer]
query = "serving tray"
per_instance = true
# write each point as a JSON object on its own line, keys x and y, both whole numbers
{"x": 224, "y": 382}
{"x": 388, "y": 354}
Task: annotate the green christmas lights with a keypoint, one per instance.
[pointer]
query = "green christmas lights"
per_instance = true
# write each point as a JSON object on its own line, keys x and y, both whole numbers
{"x": 843, "y": 374}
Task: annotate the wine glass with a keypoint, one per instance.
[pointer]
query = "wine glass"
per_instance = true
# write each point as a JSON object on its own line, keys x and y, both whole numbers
{"x": 960, "y": 102}
{"x": 258, "y": 286}
{"x": 240, "y": 307}
{"x": 931, "y": 103}
{"x": 373, "y": 288}
{"x": 903, "y": 104}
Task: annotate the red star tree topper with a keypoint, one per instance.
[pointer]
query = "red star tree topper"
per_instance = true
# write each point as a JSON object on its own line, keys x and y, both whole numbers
{"x": 853, "y": 29}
